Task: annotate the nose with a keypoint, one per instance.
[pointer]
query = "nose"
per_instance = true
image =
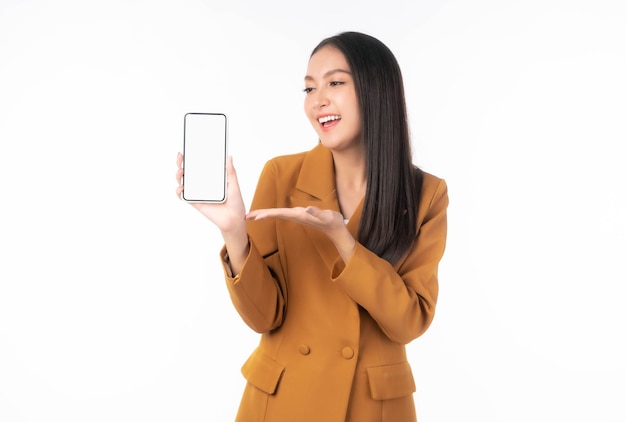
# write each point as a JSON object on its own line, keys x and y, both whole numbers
{"x": 321, "y": 99}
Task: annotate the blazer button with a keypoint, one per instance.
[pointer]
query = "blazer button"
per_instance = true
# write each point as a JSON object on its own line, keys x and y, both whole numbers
{"x": 304, "y": 349}
{"x": 347, "y": 352}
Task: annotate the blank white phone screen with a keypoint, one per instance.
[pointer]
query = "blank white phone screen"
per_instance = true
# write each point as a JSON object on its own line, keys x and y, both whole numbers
{"x": 204, "y": 157}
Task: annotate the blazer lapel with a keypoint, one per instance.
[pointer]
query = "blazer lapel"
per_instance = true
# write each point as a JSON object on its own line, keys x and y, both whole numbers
{"x": 316, "y": 187}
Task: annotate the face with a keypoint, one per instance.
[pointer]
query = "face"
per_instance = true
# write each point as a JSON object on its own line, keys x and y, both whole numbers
{"x": 331, "y": 103}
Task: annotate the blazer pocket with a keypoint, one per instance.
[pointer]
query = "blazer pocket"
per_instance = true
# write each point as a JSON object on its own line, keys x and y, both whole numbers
{"x": 262, "y": 372}
{"x": 391, "y": 381}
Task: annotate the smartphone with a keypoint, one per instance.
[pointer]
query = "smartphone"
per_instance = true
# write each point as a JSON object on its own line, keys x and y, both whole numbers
{"x": 205, "y": 149}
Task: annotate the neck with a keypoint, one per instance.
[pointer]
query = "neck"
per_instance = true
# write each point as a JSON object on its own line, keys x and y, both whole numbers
{"x": 350, "y": 170}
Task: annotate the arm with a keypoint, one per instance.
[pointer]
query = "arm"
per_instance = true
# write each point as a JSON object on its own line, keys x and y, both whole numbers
{"x": 328, "y": 221}
{"x": 228, "y": 216}
{"x": 256, "y": 294}
{"x": 401, "y": 300}
{"x": 258, "y": 288}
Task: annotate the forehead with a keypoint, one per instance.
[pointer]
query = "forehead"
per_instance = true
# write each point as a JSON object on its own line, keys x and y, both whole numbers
{"x": 327, "y": 59}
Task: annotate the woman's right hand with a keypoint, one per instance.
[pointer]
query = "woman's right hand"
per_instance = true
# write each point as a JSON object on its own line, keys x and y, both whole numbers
{"x": 229, "y": 216}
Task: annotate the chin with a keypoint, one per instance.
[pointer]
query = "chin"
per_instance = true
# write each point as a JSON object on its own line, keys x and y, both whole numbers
{"x": 328, "y": 144}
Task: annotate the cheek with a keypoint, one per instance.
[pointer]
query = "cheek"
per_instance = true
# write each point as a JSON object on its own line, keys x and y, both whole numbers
{"x": 355, "y": 113}
{"x": 307, "y": 107}
{"x": 309, "y": 113}
{"x": 312, "y": 119}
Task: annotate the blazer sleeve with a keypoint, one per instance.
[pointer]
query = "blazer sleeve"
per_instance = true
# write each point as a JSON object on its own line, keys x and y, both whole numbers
{"x": 259, "y": 291}
{"x": 402, "y": 300}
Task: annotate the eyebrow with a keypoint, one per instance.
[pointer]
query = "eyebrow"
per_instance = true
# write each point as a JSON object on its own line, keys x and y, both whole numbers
{"x": 329, "y": 73}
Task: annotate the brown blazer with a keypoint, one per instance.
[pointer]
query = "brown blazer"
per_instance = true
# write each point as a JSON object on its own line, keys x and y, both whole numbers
{"x": 333, "y": 335}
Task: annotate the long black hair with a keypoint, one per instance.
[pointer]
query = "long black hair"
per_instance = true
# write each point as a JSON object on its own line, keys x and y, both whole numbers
{"x": 388, "y": 224}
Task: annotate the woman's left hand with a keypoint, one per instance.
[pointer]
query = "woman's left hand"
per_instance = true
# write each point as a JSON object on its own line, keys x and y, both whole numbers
{"x": 328, "y": 221}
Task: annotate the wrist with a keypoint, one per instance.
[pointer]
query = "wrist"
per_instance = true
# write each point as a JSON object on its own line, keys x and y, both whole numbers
{"x": 345, "y": 245}
{"x": 237, "y": 247}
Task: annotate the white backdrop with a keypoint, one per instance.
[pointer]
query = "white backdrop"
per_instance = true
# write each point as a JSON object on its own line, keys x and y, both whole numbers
{"x": 112, "y": 302}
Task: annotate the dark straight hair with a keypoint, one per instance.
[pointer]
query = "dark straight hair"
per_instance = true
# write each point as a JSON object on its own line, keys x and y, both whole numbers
{"x": 388, "y": 224}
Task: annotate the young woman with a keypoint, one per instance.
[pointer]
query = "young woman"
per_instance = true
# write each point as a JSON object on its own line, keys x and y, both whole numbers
{"x": 336, "y": 263}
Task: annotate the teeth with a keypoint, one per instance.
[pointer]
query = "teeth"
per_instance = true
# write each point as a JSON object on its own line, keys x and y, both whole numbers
{"x": 328, "y": 118}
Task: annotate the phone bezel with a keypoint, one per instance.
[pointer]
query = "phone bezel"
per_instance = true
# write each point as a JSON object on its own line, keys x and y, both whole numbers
{"x": 225, "y": 157}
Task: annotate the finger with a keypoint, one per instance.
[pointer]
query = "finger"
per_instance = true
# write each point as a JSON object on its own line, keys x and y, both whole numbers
{"x": 255, "y": 215}
{"x": 179, "y": 160}
{"x": 296, "y": 214}
{"x": 261, "y": 214}
{"x": 231, "y": 178}
{"x": 179, "y": 176}
{"x": 179, "y": 192}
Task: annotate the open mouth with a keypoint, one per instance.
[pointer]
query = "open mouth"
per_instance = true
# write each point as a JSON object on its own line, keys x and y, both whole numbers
{"x": 328, "y": 120}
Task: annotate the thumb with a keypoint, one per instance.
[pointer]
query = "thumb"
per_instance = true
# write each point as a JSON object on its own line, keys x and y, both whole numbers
{"x": 314, "y": 211}
{"x": 230, "y": 168}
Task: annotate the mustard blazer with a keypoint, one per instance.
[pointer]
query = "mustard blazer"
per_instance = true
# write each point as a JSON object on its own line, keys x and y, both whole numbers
{"x": 333, "y": 335}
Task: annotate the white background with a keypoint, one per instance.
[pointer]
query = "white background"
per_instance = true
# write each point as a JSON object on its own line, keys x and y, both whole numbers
{"x": 112, "y": 302}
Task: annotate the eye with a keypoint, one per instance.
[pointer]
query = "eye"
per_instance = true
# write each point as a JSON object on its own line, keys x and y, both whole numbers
{"x": 336, "y": 83}
{"x": 307, "y": 90}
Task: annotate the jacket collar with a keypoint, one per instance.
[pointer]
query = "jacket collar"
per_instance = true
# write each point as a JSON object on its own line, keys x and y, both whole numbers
{"x": 317, "y": 175}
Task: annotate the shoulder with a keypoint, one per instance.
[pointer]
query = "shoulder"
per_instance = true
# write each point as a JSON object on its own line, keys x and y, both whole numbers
{"x": 317, "y": 153}
{"x": 434, "y": 192}
{"x": 312, "y": 162}
{"x": 430, "y": 181}
{"x": 283, "y": 169}
{"x": 287, "y": 161}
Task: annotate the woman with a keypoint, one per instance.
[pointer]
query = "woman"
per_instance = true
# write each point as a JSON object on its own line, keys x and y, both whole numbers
{"x": 336, "y": 265}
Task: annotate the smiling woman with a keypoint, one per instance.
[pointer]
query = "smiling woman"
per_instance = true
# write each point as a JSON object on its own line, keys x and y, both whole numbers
{"x": 113, "y": 306}
{"x": 336, "y": 263}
